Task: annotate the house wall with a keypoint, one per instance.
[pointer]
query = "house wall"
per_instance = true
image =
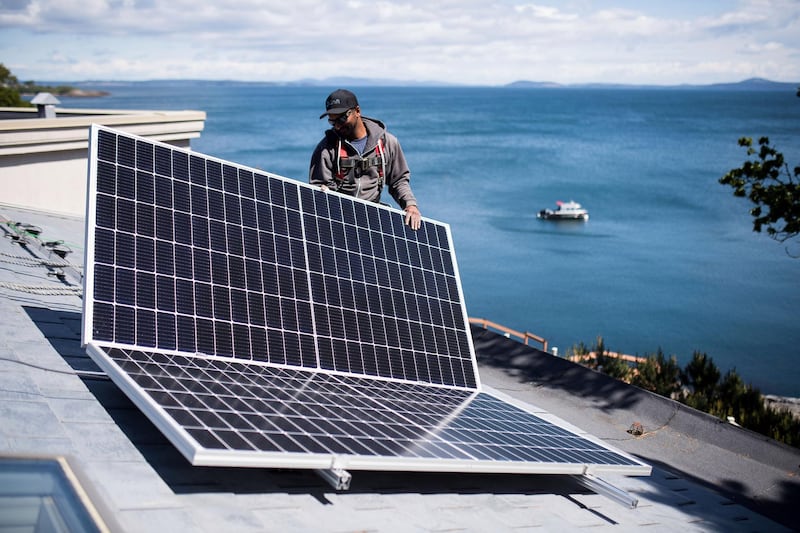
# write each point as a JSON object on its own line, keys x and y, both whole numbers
{"x": 44, "y": 162}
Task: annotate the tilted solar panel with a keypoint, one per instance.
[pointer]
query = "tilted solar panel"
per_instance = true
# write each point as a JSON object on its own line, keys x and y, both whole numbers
{"x": 259, "y": 321}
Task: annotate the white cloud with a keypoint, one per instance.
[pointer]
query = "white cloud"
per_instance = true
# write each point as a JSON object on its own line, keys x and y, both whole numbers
{"x": 471, "y": 41}
{"x": 545, "y": 12}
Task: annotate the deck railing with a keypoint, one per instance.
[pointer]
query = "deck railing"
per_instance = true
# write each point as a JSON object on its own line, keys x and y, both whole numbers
{"x": 508, "y": 332}
{"x": 527, "y": 335}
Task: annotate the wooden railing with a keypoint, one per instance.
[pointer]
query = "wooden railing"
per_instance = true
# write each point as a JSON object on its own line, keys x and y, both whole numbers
{"x": 508, "y": 332}
{"x": 488, "y": 324}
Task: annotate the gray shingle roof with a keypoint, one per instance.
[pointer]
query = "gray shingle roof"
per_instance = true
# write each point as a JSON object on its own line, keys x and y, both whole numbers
{"x": 708, "y": 476}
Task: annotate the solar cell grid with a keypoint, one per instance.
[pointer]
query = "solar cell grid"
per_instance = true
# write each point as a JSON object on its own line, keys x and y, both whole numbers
{"x": 228, "y": 405}
{"x": 390, "y": 282}
{"x": 379, "y": 298}
{"x": 250, "y": 314}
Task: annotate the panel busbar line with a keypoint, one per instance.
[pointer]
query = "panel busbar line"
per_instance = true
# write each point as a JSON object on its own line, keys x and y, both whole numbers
{"x": 259, "y": 321}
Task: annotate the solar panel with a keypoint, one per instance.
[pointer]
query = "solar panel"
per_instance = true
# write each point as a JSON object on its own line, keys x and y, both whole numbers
{"x": 260, "y": 321}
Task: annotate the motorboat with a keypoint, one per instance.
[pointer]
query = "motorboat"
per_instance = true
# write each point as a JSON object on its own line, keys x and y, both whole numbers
{"x": 565, "y": 211}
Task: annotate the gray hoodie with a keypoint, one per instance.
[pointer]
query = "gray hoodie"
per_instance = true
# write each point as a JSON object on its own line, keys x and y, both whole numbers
{"x": 336, "y": 164}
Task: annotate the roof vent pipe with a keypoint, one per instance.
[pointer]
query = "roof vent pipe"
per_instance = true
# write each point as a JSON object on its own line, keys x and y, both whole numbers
{"x": 45, "y": 105}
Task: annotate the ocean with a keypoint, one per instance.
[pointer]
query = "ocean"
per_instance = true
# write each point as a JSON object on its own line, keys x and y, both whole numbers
{"x": 668, "y": 259}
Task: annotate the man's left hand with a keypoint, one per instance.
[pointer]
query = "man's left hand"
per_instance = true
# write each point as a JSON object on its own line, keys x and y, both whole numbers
{"x": 413, "y": 217}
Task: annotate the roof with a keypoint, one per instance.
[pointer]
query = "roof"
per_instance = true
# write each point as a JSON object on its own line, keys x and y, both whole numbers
{"x": 707, "y": 475}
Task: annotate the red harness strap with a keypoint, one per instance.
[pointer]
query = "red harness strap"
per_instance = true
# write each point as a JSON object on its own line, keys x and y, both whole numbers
{"x": 342, "y": 155}
{"x": 381, "y": 151}
{"x": 377, "y": 161}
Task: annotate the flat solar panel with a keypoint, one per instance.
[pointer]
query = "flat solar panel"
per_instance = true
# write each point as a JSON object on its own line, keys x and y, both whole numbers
{"x": 259, "y": 321}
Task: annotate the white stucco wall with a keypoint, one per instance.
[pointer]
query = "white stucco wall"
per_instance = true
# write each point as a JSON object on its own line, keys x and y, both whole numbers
{"x": 44, "y": 162}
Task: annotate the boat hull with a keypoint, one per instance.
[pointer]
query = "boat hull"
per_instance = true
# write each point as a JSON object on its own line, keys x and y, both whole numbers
{"x": 548, "y": 214}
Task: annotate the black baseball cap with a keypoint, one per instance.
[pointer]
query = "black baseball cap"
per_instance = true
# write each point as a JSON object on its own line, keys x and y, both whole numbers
{"x": 339, "y": 101}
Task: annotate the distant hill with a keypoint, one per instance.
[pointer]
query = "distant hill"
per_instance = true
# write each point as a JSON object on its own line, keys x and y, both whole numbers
{"x": 752, "y": 84}
{"x": 536, "y": 85}
{"x": 757, "y": 84}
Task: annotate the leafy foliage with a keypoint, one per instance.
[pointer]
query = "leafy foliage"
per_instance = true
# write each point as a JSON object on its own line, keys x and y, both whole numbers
{"x": 768, "y": 182}
{"x": 9, "y": 89}
{"x": 11, "y": 98}
{"x": 613, "y": 366}
{"x": 6, "y": 78}
{"x": 658, "y": 374}
{"x": 701, "y": 377}
{"x": 581, "y": 355}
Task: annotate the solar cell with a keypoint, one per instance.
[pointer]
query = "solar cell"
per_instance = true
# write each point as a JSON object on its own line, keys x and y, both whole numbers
{"x": 260, "y": 321}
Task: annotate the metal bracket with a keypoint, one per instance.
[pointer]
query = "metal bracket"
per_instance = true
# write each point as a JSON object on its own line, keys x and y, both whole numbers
{"x": 338, "y": 478}
{"x": 608, "y": 490}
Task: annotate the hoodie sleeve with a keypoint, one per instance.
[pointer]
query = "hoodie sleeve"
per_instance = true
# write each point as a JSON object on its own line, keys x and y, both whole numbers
{"x": 398, "y": 174}
{"x": 320, "y": 170}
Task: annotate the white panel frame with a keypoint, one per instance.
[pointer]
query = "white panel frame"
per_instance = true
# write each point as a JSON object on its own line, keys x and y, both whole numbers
{"x": 201, "y": 456}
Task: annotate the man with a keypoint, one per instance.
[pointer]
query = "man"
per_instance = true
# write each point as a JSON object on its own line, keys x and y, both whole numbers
{"x": 358, "y": 156}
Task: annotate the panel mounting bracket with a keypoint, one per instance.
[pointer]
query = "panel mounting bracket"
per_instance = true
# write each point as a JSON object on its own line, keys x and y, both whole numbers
{"x": 338, "y": 478}
{"x": 608, "y": 490}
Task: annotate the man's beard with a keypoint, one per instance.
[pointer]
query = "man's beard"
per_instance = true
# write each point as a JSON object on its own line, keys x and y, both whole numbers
{"x": 346, "y": 131}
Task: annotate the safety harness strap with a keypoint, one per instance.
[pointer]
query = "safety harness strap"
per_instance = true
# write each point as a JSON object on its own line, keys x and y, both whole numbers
{"x": 362, "y": 164}
{"x": 345, "y": 163}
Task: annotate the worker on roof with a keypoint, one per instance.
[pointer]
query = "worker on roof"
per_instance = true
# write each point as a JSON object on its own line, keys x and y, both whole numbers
{"x": 357, "y": 156}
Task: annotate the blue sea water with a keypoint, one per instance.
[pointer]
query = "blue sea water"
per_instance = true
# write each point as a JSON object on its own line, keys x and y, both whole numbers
{"x": 668, "y": 258}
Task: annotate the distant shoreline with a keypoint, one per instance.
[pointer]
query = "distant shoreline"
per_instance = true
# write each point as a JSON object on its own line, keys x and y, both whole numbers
{"x": 75, "y": 93}
{"x": 752, "y": 84}
{"x": 84, "y": 93}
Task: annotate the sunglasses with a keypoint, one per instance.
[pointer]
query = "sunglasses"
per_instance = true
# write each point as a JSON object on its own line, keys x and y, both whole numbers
{"x": 341, "y": 119}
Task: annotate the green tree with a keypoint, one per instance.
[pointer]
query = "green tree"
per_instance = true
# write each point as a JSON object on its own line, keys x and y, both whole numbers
{"x": 580, "y": 352}
{"x": 701, "y": 376}
{"x": 782, "y": 425}
{"x": 768, "y": 182}
{"x": 6, "y": 78}
{"x": 746, "y": 405}
{"x": 11, "y": 98}
{"x": 600, "y": 346}
{"x": 613, "y": 366}
{"x": 738, "y": 400}
{"x": 658, "y": 374}
{"x": 9, "y": 89}
{"x": 608, "y": 364}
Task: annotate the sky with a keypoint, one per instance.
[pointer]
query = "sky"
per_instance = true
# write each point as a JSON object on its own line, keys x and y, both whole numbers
{"x": 483, "y": 42}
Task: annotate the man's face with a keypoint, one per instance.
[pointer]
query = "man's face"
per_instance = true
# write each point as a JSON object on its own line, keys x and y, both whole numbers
{"x": 345, "y": 123}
